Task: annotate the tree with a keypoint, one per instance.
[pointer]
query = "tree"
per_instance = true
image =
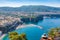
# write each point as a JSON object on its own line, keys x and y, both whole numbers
{"x": 16, "y": 36}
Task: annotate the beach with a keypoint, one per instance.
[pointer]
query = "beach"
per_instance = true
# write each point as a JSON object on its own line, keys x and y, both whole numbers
{"x": 29, "y": 25}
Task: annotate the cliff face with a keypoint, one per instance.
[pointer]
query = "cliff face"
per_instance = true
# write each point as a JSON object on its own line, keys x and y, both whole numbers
{"x": 8, "y": 23}
{"x": 32, "y": 19}
{"x": 9, "y": 28}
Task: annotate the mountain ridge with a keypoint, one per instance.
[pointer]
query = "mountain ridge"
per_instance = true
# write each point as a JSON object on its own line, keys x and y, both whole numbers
{"x": 31, "y": 8}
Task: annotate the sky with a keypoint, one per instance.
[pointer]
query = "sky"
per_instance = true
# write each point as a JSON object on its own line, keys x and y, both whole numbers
{"x": 18, "y": 3}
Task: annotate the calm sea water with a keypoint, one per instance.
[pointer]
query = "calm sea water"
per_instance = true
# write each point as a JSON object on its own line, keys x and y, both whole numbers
{"x": 34, "y": 33}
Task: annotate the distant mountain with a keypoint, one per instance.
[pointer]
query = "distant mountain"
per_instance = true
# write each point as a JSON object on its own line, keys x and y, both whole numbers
{"x": 31, "y": 9}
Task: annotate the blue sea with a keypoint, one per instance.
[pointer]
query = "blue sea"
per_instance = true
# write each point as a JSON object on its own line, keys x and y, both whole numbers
{"x": 34, "y": 33}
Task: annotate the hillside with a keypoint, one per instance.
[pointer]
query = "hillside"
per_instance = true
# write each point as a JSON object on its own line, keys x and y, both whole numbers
{"x": 31, "y": 9}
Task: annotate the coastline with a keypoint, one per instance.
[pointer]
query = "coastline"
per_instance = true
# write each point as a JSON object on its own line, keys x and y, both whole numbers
{"x": 23, "y": 26}
{"x": 29, "y": 25}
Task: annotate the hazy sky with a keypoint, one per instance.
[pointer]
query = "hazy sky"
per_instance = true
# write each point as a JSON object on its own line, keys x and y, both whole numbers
{"x": 17, "y": 3}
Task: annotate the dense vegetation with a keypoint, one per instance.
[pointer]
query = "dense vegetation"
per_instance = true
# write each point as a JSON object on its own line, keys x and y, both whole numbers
{"x": 16, "y": 36}
{"x": 54, "y": 32}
